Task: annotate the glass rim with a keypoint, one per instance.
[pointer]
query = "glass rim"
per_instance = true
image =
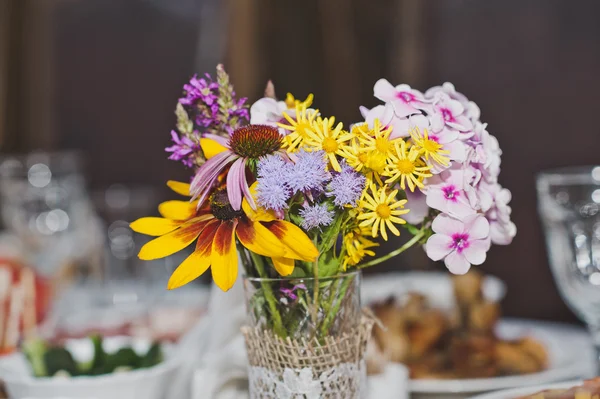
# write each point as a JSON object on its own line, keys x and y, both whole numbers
{"x": 310, "y": 278}
{"x": 570, "y": 175}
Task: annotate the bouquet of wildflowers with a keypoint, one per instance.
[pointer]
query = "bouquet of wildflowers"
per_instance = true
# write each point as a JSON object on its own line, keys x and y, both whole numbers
{"x": 299, "y": 194}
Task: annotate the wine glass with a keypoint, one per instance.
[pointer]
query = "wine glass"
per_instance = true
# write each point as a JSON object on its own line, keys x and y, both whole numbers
{"x": 569, "y": 208}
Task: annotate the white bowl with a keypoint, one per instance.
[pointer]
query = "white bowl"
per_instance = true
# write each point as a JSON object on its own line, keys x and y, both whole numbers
{"x": 436, "y": 286}
{"x": 149, "y": 383}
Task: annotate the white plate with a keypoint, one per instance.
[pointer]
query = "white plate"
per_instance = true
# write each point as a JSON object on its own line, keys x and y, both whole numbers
{"x": 514, "y": 393}
{"x": 566, "y": 361}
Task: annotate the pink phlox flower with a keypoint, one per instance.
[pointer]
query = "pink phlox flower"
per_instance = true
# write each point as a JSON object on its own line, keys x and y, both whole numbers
{"x": 405, "y": 100}
{"x": 502, "y": 229}
{"x": 268, "y": 111}
{"x": 446, "y": 192}
{"x": 386, "y": 116}
{"x": 448, "y": 112}
{"x": 417, "y": 206}
{"x": 460, "y": 243}
{"x": 472, "y": 110}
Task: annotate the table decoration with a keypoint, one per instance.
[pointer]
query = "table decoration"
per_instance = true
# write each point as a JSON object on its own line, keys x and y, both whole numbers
{"x": 300, "y": 201}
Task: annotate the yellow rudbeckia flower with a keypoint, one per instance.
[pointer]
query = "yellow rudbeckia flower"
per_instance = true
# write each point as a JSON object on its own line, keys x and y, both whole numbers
{"x": 215, "y": 229}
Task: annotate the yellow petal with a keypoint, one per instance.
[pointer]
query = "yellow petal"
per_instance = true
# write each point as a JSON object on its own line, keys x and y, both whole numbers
{"x": 153, "y": 226}
{"x": 210, "y": 148}
{"x": 173, "y": 242}
{"x": 179, "y": 187}
{"x": 260, "y": 214}
{"x": 284, "y": 266}
{"x": 198, "y": 262}
{"x": 223, "y": 257}
{"x": 177, "y": 210}
{"x": 299, "y": 246}
{"x": 258, "y": 239}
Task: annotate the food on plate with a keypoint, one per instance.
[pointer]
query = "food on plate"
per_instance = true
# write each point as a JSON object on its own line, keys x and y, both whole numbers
{"x": 461, "y": 343}
{"x": 47, "y": 360}
{"x": 590, "y": 389}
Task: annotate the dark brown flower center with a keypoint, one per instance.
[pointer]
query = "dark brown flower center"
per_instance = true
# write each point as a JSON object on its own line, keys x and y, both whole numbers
{"x": 255, "y": 141}
{"x": 220, "y": 206}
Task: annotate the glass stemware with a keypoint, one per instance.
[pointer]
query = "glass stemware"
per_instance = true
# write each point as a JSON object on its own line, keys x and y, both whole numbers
{"x": 569, "y": 208}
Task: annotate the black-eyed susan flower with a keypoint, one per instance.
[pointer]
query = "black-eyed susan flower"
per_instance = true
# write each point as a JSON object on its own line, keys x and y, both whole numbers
{"x": 215, "y": 228}
{"x": 380, "y": 209}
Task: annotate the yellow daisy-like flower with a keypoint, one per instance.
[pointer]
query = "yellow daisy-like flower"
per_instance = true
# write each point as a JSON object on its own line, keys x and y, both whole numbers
{"x": 369, "y": 163}
{"x": 291, "y": 101}
{"x": 329, "y": 139}
{"x": 429, "y": 148}
{"x": 381, "y": 209}
{"x": 357, "y": 246}
{"x": 376, "y": 139}
{"x": 406, "y": 166}
{"x": 299, "y": 126}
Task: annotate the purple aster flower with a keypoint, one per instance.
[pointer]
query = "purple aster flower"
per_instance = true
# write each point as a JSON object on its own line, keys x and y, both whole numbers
{"x": 315, "y": 216}
{"x": 309, "y": 172}
{"x": 272, "y": 193}
{"x": 183, "y": 149}
{"x": 346, "y": 186}
{"x": 273, "y": 167}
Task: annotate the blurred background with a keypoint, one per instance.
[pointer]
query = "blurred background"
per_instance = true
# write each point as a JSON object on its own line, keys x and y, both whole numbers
{"x": 103, "y": 77}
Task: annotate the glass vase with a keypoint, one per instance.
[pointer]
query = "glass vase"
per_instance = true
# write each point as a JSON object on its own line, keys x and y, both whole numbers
{"x": 306, "y": 336}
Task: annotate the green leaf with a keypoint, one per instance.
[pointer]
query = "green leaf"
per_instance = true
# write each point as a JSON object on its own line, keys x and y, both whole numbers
{"x": 330, "y": 234}
{"x": 414, "y": 230}
{"x": 329, "y": 265}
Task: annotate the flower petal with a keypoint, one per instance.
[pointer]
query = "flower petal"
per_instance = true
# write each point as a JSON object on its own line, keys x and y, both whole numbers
{"x": 284, "y": 266}
{"x": 154, "y": 226}
{"x": 234, "y": 187}
{"x": 223, "y": 257}
{"x": 299, "y": 246}
{"x": 258, "y": 239}
{"x": 259, "y": 214}
{"x": 457, "y": 263}
{"x": 210, "y": 147}
{"x": 209, "y": 171}
{"x": 447, "y": 225}
{"x": 173, "y": 242}
{"x": 179, "y": 187}
{"x": 438, "y": 246}
{"x": 475, "y": 253}
{"x": 198, "y": 262}
{"x": 477, "y": 226}
{"x": 177, "y": 210}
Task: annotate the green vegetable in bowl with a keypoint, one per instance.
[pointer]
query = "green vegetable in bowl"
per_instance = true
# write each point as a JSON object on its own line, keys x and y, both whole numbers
{"x": 48, "y": 361}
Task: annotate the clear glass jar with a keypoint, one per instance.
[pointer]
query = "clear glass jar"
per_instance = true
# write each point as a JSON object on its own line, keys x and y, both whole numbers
{"x": 304, "y": 307}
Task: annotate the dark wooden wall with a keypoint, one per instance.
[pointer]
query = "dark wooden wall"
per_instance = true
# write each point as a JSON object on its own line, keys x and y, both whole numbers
{"x": 109, "y": 73}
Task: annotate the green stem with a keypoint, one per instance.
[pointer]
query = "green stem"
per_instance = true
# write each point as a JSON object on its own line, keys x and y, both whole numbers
{"x": 315, "y": 309}
{"x": 269, "y": 296}
{"x": 335, "y": 309}
{"x": 396, "y": 252}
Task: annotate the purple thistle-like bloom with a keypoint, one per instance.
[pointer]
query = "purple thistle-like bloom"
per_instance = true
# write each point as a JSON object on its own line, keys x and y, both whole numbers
{"x": 346, "y": 187}
{"x": 272, "y": 194}
{"x": 272, "y": 190}
{"x": 309, "y": 172}
{"x": 315, "y": 216}
{"x": 183, "y": 149}
{"x": 273, "y": 167}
